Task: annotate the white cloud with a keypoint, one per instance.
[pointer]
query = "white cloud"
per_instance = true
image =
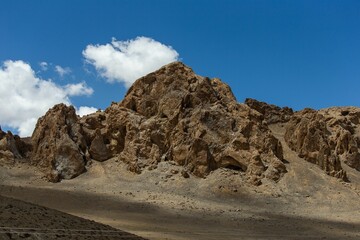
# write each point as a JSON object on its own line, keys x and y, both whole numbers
{"x": 62, "y": 71}
{"x": 24, "y": 97}
{"x": 85, "y": 110}
{"x": 43, "y": 66}
{"x": 126, "y": 61}
{"x": 78, "y": 89}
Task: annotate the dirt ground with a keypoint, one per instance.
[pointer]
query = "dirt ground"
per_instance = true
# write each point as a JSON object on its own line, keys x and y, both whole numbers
{"x": 21, "y": 220}
{"x": 161, "y": 204}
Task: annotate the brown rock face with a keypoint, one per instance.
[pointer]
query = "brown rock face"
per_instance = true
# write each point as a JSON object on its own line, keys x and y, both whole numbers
{"x": 344, "y": 125}
{"x": 175, "y": 115}
{"x": 195, "y": 122}
{"x": 169, "y": 115}
{"x": 58, "y": 145}
{"x": 326, "y": 138}
{"x": 12, "y": 148}
{"x": 272, "y": 113}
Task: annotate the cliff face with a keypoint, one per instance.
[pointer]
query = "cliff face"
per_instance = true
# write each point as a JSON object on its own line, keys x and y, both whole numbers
{"x": 169, "y": 115}
{"x": 192, "y": 121}
{"x": 327, "y": 138}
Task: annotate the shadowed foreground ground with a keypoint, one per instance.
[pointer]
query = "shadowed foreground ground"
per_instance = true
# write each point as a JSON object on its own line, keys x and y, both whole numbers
{"x": 21, "y": 220}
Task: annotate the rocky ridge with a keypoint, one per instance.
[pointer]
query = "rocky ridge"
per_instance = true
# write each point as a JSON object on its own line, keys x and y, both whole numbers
{"x": 272, "y": 113}
{"x": 192, "y": 121}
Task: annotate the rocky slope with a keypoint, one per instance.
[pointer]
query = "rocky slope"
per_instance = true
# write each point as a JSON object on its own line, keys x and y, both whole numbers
{"x": 192, "y": 121}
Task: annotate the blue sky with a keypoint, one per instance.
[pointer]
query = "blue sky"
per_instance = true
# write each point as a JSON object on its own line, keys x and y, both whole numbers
{"x": 289, "y": 53}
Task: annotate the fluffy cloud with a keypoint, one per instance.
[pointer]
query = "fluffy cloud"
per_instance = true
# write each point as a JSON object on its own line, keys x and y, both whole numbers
{"x": 62, "y": 71}
{"x": 85, "y": 110}
{"x": 24, "y": 97}
{"x": 126, "y": 61}
{"x": 78, "y": 89}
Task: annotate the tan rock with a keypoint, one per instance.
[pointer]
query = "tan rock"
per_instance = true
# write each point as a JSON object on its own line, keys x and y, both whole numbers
{"x": 169, "y": 115}
{"x": 308, "y": 134}
{"x": 175, "y": 115}
{"x": 12, "y": 148}
{"x": 272, "y": 114}
{"x": 327, "y": 138}
{"x": 98, "y": 149}
{"x": 58, "y": 144}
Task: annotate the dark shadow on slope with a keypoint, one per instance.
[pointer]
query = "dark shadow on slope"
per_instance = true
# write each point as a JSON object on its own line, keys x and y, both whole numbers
{"x": 260, "y": 224}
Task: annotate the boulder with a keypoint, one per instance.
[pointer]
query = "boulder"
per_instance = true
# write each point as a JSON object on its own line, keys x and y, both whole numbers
{"x": 58, "y": 144}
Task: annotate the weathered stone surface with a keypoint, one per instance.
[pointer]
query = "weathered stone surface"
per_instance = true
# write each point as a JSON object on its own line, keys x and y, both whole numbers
{"x": 169, "y": 115}
{"x": 192, "y": 121}
{"x": 12, "y": 148}
{"x": 175, "y": 115}
{"x": 58, "y": 144}
{"x": 308, "y": 134}
{"x": 272, "y": 114}
{"x": 344, "y": 125}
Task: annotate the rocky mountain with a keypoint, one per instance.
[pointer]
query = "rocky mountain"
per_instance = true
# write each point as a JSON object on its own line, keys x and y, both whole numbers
{"x": 195, "y": 122}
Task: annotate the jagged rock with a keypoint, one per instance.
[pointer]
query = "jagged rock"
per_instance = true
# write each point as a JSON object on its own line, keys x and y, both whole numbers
{"x": 327, "y": 137}
{"x": 319, "y": 138}
{"x": 58, "y": 144}
{"x": 272, "y": 114}
{"x": 192, "y": 121}
{"x": 344, "y": 124}
{"x": 169, "y": 115}
{"x": 12, "y": 148}
{"x": 175, "y": 115}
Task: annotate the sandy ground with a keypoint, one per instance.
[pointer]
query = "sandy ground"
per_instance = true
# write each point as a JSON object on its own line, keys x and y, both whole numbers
{"x": 158, "y": 204}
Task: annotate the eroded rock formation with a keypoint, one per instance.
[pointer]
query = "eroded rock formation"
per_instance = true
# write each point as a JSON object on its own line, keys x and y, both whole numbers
{"x": 169, "y": 115}
{"x": 195, "y": 122}
{"x": 175, "y": 115}
{"x": 12, "y": 148}
{"x": 344, "y": 125}
{"x": 272, "y": 113}
{"x": 59, "y": 147}
{"x": 326, "y": 138}
{"x": 307, "y": 134}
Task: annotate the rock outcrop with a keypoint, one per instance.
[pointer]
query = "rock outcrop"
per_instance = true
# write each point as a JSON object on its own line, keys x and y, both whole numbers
{"x": 169, "y": 115}
{"x": 192, "y": 121}
{"x": 326, "y": 138}
{"x": 12, "y": 148}
{"x": 59, "y": 147}
{"x": 307, "y": 134}
{"x": 344, "y": 125}
{"x": 272, "y": 113}
{"x": 175, "y": 115}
